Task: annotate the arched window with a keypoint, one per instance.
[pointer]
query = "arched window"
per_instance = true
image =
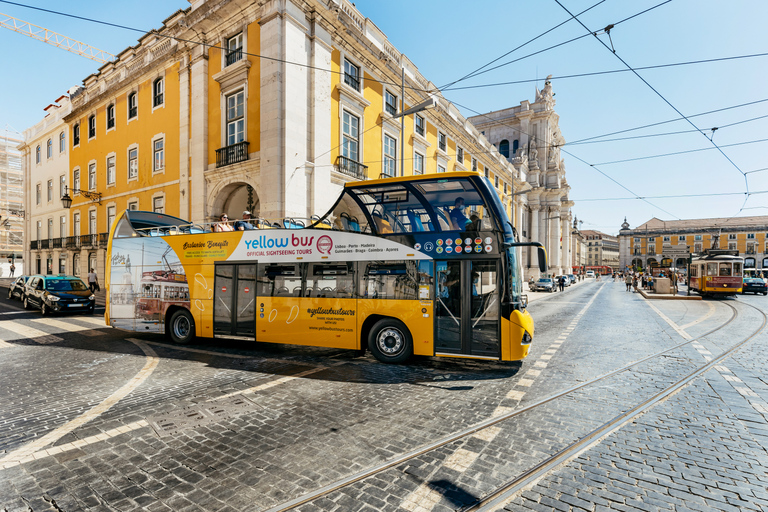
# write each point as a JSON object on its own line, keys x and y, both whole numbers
{"x": 157, "y": 92}
{"x": 504, "y": 148}
{"x": 38, "y": 154}
{"x": 515, "y": 146}
{"x": 749, "y": 262}
{"x": 49, "y": 149}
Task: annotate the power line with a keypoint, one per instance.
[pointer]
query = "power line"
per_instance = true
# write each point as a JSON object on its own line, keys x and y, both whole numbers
{"x": 683, "y": 153}
{"x": 680, "y": 196}
{"x": 607, "y": 29}
{"x": 475, "y": 72}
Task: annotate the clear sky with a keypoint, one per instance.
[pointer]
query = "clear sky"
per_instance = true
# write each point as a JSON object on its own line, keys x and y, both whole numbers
{"x": 447, "y": 39}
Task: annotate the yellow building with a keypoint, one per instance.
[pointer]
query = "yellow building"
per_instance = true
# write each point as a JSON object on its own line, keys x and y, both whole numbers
{"x": 268, "y": 107}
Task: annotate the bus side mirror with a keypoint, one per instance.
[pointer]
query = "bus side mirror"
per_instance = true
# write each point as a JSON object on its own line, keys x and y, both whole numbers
{"x": 542, "y": 259}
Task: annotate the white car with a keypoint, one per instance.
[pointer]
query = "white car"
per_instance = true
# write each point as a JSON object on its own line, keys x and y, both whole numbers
{"x": 590, "y": 273}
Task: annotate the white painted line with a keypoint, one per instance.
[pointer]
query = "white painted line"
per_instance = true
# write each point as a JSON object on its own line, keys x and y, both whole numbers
{"x": 274, "y": 383}
{"x": 533, "y": 373}
{"x": 64, "y": 326}
{"x": 30, "y": 333}
{"x": 526, "y": 383}
{"x": 672, "y": 324}
{"x": 745, "y": 391}
{"x": 4, "y": 344}
{"x": 540, "y": 364}
{"x": 732, "y": 378}
{"x": 516, "y": 394}
{"x": 709, "y": 314}
{"x": 546, "y": 357}
{"x": 56, "y": 434}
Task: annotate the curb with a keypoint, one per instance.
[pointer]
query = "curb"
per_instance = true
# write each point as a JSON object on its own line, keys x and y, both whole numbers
{"x": 668, "y": 296}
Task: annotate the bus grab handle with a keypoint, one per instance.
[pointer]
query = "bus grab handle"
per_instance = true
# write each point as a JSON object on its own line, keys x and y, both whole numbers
{"x": 541, "y": 251}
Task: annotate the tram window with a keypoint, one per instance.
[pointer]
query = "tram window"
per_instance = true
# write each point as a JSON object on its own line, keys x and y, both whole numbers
{"x": 725, "y": 270}
{"x": 279, "y": 280}
{"x": 737, "y": 270}
{"x": 398, "y": 280}
{"x": 694, "y": 271}
{"x": 330, "y": 280}
{"x": 711, "y": 269}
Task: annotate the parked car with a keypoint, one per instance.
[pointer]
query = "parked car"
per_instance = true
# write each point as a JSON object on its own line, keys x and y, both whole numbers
{"x": 572, "y": 277}
{"x": 16, "y": 288}
{"x": 755, "y": 285}
{"x": 590, "y": 273}
{"x": 58, "y": 294}
{"x": 544, "y": 284}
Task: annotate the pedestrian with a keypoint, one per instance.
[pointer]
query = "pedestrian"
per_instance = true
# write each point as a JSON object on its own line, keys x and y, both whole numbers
{"x": 634, "y": 284}
{"x": 628, "y": 281}
{"x": 93, "y": 281}
{"x": 643, "y": 281}
{"x": 561, "y": 283}
{"x": 13, "y": 269}
{"x": 673, "y": 278}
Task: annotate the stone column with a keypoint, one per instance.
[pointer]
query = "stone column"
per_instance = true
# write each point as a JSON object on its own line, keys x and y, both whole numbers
{"x": 566, "y": 234}
{"x": 198, "y": 143}
{"x": 184, "y": 139}
{"x": 323, "y": 193}
{"x": 554, "y": 239}
{"x": 534, "y": 259}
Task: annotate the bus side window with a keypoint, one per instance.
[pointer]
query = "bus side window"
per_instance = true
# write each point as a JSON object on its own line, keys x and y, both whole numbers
{"x": 279, "y": 280}
{"x": 397, "y": 280}
{"x": 330, "y": 280}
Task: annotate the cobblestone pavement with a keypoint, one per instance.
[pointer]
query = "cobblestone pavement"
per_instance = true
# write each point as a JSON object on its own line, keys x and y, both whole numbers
{"x": 94, "y": 419}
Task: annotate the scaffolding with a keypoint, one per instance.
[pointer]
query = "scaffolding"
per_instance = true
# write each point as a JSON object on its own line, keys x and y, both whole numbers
{"x": 11, "y": 202}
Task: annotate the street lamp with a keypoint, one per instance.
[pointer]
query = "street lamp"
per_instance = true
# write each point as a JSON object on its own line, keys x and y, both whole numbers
{"x": 66, "y": 201}
{"x": 424, "y": 105}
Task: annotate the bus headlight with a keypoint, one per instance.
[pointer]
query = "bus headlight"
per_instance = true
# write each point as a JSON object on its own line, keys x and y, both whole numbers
{"x": 526, "y": 338}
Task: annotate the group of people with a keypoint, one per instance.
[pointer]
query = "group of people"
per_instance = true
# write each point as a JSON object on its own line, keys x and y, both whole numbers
{"x": 645, "y": 279}
{"x": 240, "y": 225}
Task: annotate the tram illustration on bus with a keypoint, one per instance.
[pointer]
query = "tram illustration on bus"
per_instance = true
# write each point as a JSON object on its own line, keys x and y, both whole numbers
{"x": 716, "y": 273}
{"x": 424, "y": 265}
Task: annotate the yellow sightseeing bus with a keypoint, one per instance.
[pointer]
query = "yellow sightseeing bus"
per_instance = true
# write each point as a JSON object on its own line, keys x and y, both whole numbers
{"x": 424, "y": 265}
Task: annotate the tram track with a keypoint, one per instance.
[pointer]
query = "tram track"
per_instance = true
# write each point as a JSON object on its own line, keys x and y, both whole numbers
{"x": 489, "y": 500}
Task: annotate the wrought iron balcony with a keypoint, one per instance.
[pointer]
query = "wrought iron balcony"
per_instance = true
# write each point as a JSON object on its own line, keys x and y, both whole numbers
{"x": 103, "y": 239}
{"x": 352, "y": 81}
{"x": 73, "y": 242}
{"x": 234, "y": 56}
{"x": 56, "y": 243}
{"x": 45, "y": 244}
{"x": 351, "y": 168}
{"x": 89, "y": 240}
{"x": 232, "y": 154}
{"x": 33, "y": 244}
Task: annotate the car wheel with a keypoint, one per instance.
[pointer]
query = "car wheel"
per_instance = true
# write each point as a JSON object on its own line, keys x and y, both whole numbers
{"x": 26, "y": 303}
{"x": 182, "y": 327}
{"x": 10, "y": 294}
{"x": 390, "y": 342}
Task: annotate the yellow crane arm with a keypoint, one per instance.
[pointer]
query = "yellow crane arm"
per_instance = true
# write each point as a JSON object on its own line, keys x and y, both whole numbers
{"x": 52, "y": 38}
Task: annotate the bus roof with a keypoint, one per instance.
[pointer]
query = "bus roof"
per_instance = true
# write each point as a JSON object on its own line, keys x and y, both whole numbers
{"x": 410, "y": 179}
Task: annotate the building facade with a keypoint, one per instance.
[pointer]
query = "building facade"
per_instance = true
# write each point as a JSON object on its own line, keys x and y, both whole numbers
{"x": 11, "y": 204}
{"x": 669, "y": 243}
{"x": 528, "y": 136}
{"x": 268, "y": 107}
{"x": 602, "y": 249}
{"x": 578, "y": 248}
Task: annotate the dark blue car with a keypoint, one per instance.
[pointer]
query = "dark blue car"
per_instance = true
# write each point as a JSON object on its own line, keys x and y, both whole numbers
{"x": 58, "y": 294}
{"x": 754, "y": 285}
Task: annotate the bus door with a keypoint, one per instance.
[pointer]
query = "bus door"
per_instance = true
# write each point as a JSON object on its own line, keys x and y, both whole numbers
{"x": 234, "y": 307}
{"x": 467, "y": 310}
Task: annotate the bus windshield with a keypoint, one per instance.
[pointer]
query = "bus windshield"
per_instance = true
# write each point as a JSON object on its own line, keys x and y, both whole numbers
{"x": 408, "y": 207}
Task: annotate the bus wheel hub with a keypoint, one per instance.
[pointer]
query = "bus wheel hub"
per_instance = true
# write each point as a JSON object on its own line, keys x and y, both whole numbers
{"x": 390, "y": 341}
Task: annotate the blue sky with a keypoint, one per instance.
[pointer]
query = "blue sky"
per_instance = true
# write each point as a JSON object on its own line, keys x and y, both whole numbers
{"x": 447, "y": 39}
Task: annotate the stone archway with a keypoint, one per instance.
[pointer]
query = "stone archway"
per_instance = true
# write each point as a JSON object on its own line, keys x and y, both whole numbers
{"x": 233, "y": 199}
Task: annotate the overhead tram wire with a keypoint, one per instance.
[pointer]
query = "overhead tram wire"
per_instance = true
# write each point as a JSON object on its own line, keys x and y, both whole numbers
{"x": 574, "y": 17}
{"x": 683, "y": 153}
{"x": 594, "y": 33}
{"x": 679, "y": 196}
{"x": 473, "y": 73}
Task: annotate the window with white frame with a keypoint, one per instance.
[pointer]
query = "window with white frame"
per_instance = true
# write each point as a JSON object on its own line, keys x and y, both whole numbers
{"x": 496, "y": 181}
{"x": 390, "y": 102}
{"x": 62, "y": 185}
{"x": 750, "y": 236}
{"x": 50, "y": 228}
{"x": 76, "y": 180}
{"x": 62, "y": 142}
{"x": 418, "y": 163}
{"x": 234, "y": 49}
{"x": 442, "y": 141}
{"x": 111, "y": 213}
{"x": 440, "y": 168}
{"x": 390, "y": 156}
{"x": 474, "y": 165}
{"x": 133, "y": 163}
{"x": 352, "y": 75}
{"x": 667, "y": 239}
{"x": 350, "y": 132}
{"x": 487, "y": 174}
{"x": 696, "y": 247}
{"x": 732, "y": 236}
{"x": 92, "y": 177}
{"x": 158, "y": 92}
{"x": 418, "y": 125}
{"x": 50, "y": 190}
{"x": 159, "y": 155}
{"x": 133, "y": 205}
{"x": 110, "y": 117}
{"x": 235, "y": 118}
{"x": 460, "y": 155}
{"x": 38, "y": 154}
{"x": 62, "y": 226}
{"x": 651, "y": 249}
{"x": 681, "y": 238}
{"x": 111, "y": 170}
{"x": 49, "y": 149}
{"x": 38, "y": 194}
{"x": 637, "y": 239}
{"x": 505, "y": 187}
{"x": 133, "y": 105}
{"x": 697, "y": 237}
{"x": 76, "y": 224}
{"x": 92, "y": 127}
{"x": 92, "y": 222}
{"x": 158, "y": 204}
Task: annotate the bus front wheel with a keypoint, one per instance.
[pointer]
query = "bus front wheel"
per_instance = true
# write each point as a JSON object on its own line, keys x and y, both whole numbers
{"x": 389, "y": 341}
{"x": 182, "y": 327}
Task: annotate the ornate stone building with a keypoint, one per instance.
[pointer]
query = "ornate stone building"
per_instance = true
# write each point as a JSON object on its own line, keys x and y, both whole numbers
{"x": 602, "y": 249}
{"x": 528, "y": 135}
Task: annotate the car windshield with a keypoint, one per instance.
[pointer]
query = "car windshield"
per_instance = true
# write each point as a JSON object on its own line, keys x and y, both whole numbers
{"x": 65, "y": 285}
{"x": 545, "y": 280}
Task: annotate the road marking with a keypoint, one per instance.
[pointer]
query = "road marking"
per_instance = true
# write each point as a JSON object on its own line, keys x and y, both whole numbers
{"x": 31, "y": 333}
{"x": 709, "y": 314}
{"x": 4, "y": 344}
{"x": 56, "y": 434}
{"x": 672, "y": 324}
{"x": 64, "y": 326}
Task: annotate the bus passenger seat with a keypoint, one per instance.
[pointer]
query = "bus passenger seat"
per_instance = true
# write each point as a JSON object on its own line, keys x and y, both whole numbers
{"x": 382, "y": 225}
{"x": 416, "y": 224}
{"x": 354, "y": 225}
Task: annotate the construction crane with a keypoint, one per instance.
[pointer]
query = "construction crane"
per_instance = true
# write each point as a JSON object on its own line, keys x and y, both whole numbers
{"x": 52, "y": 38}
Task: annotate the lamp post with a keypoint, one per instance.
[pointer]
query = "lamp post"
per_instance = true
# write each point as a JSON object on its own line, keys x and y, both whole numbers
{"x": 424, "y": 105}
{"x": 66, "y": 200}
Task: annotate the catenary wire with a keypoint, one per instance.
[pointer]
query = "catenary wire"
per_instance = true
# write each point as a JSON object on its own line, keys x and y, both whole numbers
{"x": 680, "y": 196}
{"x": 683, "y": 153}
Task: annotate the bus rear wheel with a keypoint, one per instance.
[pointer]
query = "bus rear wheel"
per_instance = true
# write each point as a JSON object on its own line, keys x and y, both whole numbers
{"x": 390, "y": 342}
{"x": 182, "y": 327}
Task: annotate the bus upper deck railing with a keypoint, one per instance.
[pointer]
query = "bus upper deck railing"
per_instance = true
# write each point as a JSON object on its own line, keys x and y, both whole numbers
{"x": 232, "y": 225}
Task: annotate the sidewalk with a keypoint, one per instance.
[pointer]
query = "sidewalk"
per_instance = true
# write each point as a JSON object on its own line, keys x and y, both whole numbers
{"x": 682, "y": 294}
{"x": 535, "y": 296}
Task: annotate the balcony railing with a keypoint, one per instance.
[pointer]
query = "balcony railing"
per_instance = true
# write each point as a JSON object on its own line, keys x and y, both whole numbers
{"x": 103, "y": 239}
{"x": 33, "y": 244}
{"x": 234, "y": 56}
{"x": 351, "y": 168}
{"x": 352, "y": 81}
{"x": 73, "y": 242}
{"x": 56, "y": 243}
{"x": 232, "y": 154}
{"x": 89, "y": 240}
{"x": 45, "y": 244}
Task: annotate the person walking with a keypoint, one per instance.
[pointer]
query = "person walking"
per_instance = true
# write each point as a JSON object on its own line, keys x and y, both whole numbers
{"x": 634, "y": 284}
{"x": 561, "y": 283}
{"x": 13, "y": 269}
{"x": 628, "y": 281}
{"x": 93, "y": 281}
